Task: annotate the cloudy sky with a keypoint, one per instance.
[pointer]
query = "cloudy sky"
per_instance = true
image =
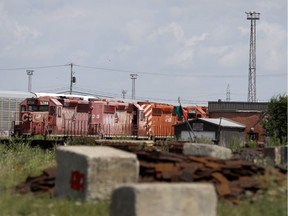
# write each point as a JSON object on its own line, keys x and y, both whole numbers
{"x": 187, "y": 48}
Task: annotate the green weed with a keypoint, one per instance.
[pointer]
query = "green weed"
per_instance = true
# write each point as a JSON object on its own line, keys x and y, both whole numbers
{"x": 17, "y": 162}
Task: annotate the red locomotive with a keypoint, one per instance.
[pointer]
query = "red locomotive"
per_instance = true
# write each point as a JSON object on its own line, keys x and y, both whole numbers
{"x": 76, "y": 116}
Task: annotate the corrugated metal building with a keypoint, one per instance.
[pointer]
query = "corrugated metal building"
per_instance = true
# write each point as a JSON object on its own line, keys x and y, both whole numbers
{"x": 247, "y": 113}
{"x": 9, "y": 109}
{"x": 219, "y": 130}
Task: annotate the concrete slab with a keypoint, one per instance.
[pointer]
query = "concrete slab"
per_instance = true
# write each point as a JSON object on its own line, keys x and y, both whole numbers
{"x": 163, "y": 199}
{"x": 203, "y": 149}
{"x": 284, "y": 152}
{"x": 277, "y": 154}
{"x": 91, "y": 173}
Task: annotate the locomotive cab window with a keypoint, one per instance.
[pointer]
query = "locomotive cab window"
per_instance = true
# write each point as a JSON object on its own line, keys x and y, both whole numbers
{"x": 43, "y": 108}
{"x": 191, "y": 114}
{"x": 142, "y": 116}
{"x": 59, "y": 112}
{"x": 23, "y": 108}
{"x": 40, "y": 108}
{"x": 156, "y": 112}
{"x": 52, "y": 110}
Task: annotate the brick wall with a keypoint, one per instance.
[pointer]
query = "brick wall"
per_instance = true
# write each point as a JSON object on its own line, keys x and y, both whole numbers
{"x": 246, "y": 118}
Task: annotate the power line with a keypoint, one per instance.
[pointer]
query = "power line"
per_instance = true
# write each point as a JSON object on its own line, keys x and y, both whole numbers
{"x": 177, "y": 74}
{"x": 35, "y": 67}
{"x": 148, "y": 73}
{"x": 139, "y": 98}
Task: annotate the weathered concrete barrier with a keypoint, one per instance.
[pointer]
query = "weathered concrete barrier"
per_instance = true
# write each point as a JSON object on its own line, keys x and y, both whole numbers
{"x": 207, "y": 150}
{"x": 277, "y": 154}
{"x": 91, "y": 173}
{"x": 163, "y": 199}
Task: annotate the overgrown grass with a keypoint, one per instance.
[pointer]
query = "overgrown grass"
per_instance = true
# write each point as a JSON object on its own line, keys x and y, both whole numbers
{"x": 271, "y": 204}
{"x": 235, "y": 144}
{"x": 19, "y": 161}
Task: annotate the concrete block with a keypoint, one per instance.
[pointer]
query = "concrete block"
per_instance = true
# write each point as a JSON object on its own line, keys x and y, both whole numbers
{"x": 273, "y": 154}
{"x": 284, "y": 151}
{"x": 203, "y": 149}
{"x": 91, "y": 173}
{"x": 164, "y": 199}
{"x": 277, "y": 154}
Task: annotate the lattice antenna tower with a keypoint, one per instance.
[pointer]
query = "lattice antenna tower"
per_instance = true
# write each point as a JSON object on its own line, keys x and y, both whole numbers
{"x": 253, "y": 16}
{"x": 133, "y": 77}
{"x": 228, "y": 93}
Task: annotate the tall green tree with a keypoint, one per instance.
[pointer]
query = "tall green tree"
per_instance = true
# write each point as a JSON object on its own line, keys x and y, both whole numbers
{"x": 275, "y": 123}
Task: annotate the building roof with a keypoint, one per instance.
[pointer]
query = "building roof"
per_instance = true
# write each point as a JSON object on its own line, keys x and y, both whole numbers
{"x": 233, "y": 106}
{"x": 20, "y": 94}
{"x": 224, "y": 122}
{"x": 16, "y": 94}
{"x": 85, "y": 97}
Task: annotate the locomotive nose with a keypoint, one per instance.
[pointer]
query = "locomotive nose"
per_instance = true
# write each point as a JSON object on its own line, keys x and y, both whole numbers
{"x": 32, "y": 117}
{"x": 27, "y": 117}
{"x": 37, "y": 117}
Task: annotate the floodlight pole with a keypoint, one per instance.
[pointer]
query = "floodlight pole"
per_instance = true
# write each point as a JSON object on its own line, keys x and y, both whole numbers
{"x": 30, "y": 74}
{"x": 133, "y": 77}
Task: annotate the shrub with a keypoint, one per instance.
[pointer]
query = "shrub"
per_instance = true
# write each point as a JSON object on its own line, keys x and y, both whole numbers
{"x": 82, "y": 140}
{"x": 235, "y": 144}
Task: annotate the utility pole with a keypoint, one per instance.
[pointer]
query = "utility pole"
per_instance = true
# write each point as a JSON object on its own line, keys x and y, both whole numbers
{"x": 133, "y": 77}
{"x": 187, "y": 123}
{"x": 72, "y": 78}
{"x": 30, "y": 74}
{"x": 253, "y": 16}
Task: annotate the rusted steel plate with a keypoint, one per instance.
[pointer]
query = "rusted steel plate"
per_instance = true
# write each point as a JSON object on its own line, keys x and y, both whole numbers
{"x": 223, "y": 187}
{"x": 39, "y": 184}
{"x": 213, "y": 165}
{"x": 248, "y": 182}
{"x": 220, "y": 178}
{"x": 164, "y": 167}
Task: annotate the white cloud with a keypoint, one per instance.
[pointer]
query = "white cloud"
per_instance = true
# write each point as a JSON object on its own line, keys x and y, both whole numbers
{"x": 23, "y": 32}
{"x": 272, "y": 46}
{"x": 124, "y": 49}
{"x": 154, "y": 36}
{"x": 183, "y": 58}
{"x": 233, "y": 57}
{"x": 194, "y": 39}
{"x": 173, "y": 28}
{"x": 137, "y": 31}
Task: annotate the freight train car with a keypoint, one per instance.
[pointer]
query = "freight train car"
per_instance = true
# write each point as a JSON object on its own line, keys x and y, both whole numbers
{"x": 9, "y": 109}
{"x": 74, "y": 116}
{"x": 159, "y": 119}
{"x": 113, "y": 118}
{"x": 196, "y": 111}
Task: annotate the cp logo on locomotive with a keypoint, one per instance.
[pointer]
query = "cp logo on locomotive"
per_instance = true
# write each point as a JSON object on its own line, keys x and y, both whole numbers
{"x": 24, "y": 117}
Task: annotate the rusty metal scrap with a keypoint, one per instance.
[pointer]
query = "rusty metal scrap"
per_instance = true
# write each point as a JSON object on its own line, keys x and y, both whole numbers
{"x": 231, "y": 178}
{"x": 39, "y": 184}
